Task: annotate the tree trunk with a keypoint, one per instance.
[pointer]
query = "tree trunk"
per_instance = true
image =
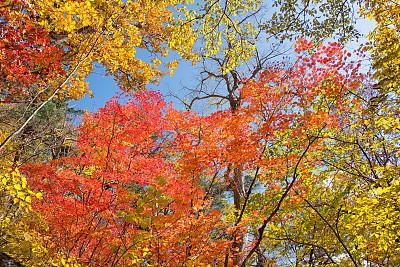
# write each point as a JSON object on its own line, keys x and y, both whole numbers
{"x": 240, "y": 239}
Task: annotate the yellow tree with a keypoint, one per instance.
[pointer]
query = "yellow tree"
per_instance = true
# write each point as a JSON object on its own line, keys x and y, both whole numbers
{"x": 384, "y": 41}
{"x": 350, "y": 217}
{"x": 17, "y": 236}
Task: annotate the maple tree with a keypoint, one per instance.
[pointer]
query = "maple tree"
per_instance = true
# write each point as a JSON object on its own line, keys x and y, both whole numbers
{"x": 118, "y": 202}
{"x": 272, "y": 136}
{"x": 47, "y": 50}
{"x": 28, "y": 60}
{"x": 233, "y": 36}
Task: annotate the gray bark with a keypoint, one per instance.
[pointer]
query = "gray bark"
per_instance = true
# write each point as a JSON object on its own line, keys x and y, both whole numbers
{"x": 240, "y": 240}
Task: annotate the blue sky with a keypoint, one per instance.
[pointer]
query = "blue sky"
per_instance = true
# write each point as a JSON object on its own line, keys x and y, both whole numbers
{"x": 104, "y": 87}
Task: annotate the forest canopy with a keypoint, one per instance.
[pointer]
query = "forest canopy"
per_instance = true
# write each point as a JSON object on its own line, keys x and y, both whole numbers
{"x": 284, "y": 150}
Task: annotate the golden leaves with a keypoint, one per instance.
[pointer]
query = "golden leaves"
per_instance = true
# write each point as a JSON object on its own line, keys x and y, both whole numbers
{"x": 384, "y": 41}
{"x": 108, "y": 33}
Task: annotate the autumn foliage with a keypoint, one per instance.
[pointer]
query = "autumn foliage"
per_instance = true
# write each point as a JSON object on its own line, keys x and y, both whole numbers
{"x": 28, "y": 60}
{"x": 295, "y": 165}
{"x": 274, "y": 137}
{"x": 122, "y": 201}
